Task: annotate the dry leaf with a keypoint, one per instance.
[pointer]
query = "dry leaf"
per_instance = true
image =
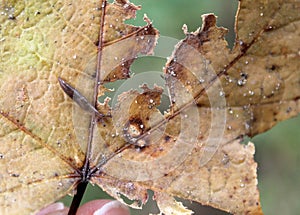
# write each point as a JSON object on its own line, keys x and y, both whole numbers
{"x": 49, "y": 145}
{"x": 42, "y": 143}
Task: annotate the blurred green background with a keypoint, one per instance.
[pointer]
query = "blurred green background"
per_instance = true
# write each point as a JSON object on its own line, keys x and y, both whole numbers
{"x": 277, "y": 151}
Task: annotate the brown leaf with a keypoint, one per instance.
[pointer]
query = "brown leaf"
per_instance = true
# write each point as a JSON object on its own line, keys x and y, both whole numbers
{"x": 238, "y": 93}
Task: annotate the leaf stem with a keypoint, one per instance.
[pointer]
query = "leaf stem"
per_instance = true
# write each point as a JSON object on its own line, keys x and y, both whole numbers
{"x": 81, "y": 187}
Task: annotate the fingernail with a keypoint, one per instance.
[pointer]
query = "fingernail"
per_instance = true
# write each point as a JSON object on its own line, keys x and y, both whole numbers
{"x": 58, "y": 206}
{"x": 53, "y": 207}
{"x": 112, "y": 208}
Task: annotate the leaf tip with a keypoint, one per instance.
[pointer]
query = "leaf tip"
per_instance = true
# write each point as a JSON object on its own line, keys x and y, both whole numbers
{"x": 147, "y": 20}
{"x": 127, "y": 4}
{"x": 185, "y": 29}
{"x": 209, "y": 20}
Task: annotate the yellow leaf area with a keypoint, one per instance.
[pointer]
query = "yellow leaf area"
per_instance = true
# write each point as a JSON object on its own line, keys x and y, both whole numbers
{"x": 42, "y": 145}
{"x": 193, "y": 151}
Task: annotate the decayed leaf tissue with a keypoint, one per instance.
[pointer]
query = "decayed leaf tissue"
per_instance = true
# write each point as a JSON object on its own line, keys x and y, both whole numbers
{"x": 56, "y": 135}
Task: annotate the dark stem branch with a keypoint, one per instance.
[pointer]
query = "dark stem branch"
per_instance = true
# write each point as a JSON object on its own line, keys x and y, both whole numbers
{"x": 81, "y": 187}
